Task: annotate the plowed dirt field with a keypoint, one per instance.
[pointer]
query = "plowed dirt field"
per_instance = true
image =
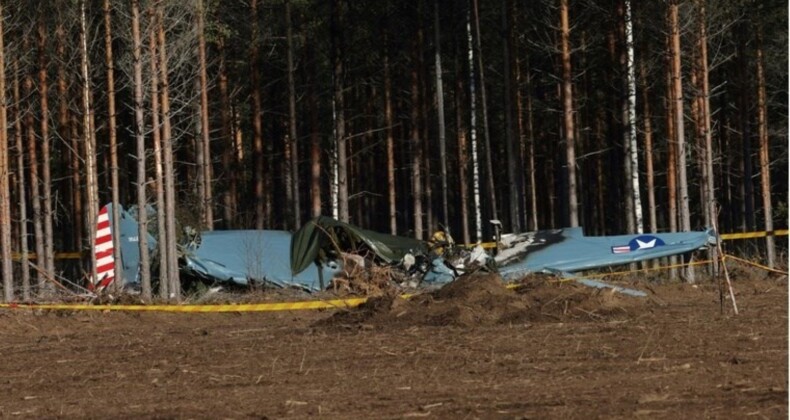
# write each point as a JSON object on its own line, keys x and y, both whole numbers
{"x": 471, "y": 350}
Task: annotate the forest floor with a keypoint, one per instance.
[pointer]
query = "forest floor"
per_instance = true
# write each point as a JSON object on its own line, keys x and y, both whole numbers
{"x": 474, "y": 349}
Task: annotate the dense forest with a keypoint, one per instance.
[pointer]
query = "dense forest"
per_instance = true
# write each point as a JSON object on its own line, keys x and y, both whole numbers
{"x": 401, "y": 117}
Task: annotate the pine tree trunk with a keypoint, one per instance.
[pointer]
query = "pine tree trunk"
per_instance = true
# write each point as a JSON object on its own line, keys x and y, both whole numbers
{"x": 76, "y": 184}
{"x": 648, "y": 131}
{"x": 601, "y": 206}
{"x": 35, "y": 198}
{"x": 292, "y": 134}
{"x": 389, "y": 121}
{"x": 533, "y": 187}
{"x": 64, "y": 132}
{"x": 512, "y": 162}
{"x": 416, "y": 155}
{"x": 5, "y": 186}
{"x": 523, "y": 135}
{"x": 142, "y": 215}
{"x": 744, "y": 108}
{"x": 682, "y": 150}
{"x": 167, "y": 147}
{"x": 24, "y": 258}
{"x": 204, "y": 176}
{"x": 47, "y": 261}
{"x": 426, "y": 210}
{"x": 257, "y": 124}
{"x": 672, "y": 212}
{"x": 226, "y": 135}
{"x": 709, "y": 204}
{"x": 315, "y": 145}
{"x": 765, "y": 162}
{"x": 116, "y": 201}
{"x": 463, "y": 159}
{"x": 568, "y": 112}
{"x": 440, "y": 115}
{"x": 156, "y": 135}
{"x": 89, "y": 141}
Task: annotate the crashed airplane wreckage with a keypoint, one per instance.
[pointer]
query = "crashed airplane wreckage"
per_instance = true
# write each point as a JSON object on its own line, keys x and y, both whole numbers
{"x": 313, "y": 256}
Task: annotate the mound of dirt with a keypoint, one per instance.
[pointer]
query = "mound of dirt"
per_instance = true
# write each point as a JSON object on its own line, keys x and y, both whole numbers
{"x": 549, "y": 299}
{"x": 484, "y": 299}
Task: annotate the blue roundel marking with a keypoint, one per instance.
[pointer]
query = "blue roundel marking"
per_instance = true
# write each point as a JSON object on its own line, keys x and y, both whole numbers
{"x": 645, "y": 242}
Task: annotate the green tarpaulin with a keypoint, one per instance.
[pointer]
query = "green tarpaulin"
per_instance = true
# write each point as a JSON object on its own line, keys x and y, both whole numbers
{"x": 330, "y": 234}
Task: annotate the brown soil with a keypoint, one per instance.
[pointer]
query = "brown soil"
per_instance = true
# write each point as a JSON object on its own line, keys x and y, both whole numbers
{"x": 473, "y": 349}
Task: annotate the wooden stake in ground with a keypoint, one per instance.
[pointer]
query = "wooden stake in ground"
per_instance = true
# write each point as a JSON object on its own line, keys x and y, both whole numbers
{"x": 724, "y": 264}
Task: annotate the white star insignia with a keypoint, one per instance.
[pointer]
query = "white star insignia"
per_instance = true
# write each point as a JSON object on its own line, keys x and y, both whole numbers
{"x": 646, "y": 245}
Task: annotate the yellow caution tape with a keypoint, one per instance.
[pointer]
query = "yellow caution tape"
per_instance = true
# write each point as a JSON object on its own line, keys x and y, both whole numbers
{"x": 16, "y": 256}
{"x": 748, "y": 235}
{"x": 754, "y": 264}
{"x": 251, "y": 307}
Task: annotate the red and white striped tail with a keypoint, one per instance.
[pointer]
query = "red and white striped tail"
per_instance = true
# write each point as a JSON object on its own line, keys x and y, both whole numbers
{"x": 103, "y": 248}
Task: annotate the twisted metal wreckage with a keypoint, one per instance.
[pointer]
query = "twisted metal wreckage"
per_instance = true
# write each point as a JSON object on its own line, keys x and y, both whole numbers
{"x": 313, "y": 256}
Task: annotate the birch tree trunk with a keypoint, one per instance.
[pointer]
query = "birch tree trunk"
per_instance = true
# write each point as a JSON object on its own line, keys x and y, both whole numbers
{"x": 491, "y": 184}
{"x": 631, "y": 122}
{"x": 628, "y": 192}
{"x": 473, "y": 132}
{"x": 339, "y": 112}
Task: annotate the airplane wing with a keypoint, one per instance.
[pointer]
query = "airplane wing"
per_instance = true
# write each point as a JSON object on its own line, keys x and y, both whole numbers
{"x": 569, "y": 250}
{"x": 240, "y": 256}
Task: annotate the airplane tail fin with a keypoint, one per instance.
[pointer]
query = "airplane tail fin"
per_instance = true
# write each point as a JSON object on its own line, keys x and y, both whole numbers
{"x": 104, "y": 251}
